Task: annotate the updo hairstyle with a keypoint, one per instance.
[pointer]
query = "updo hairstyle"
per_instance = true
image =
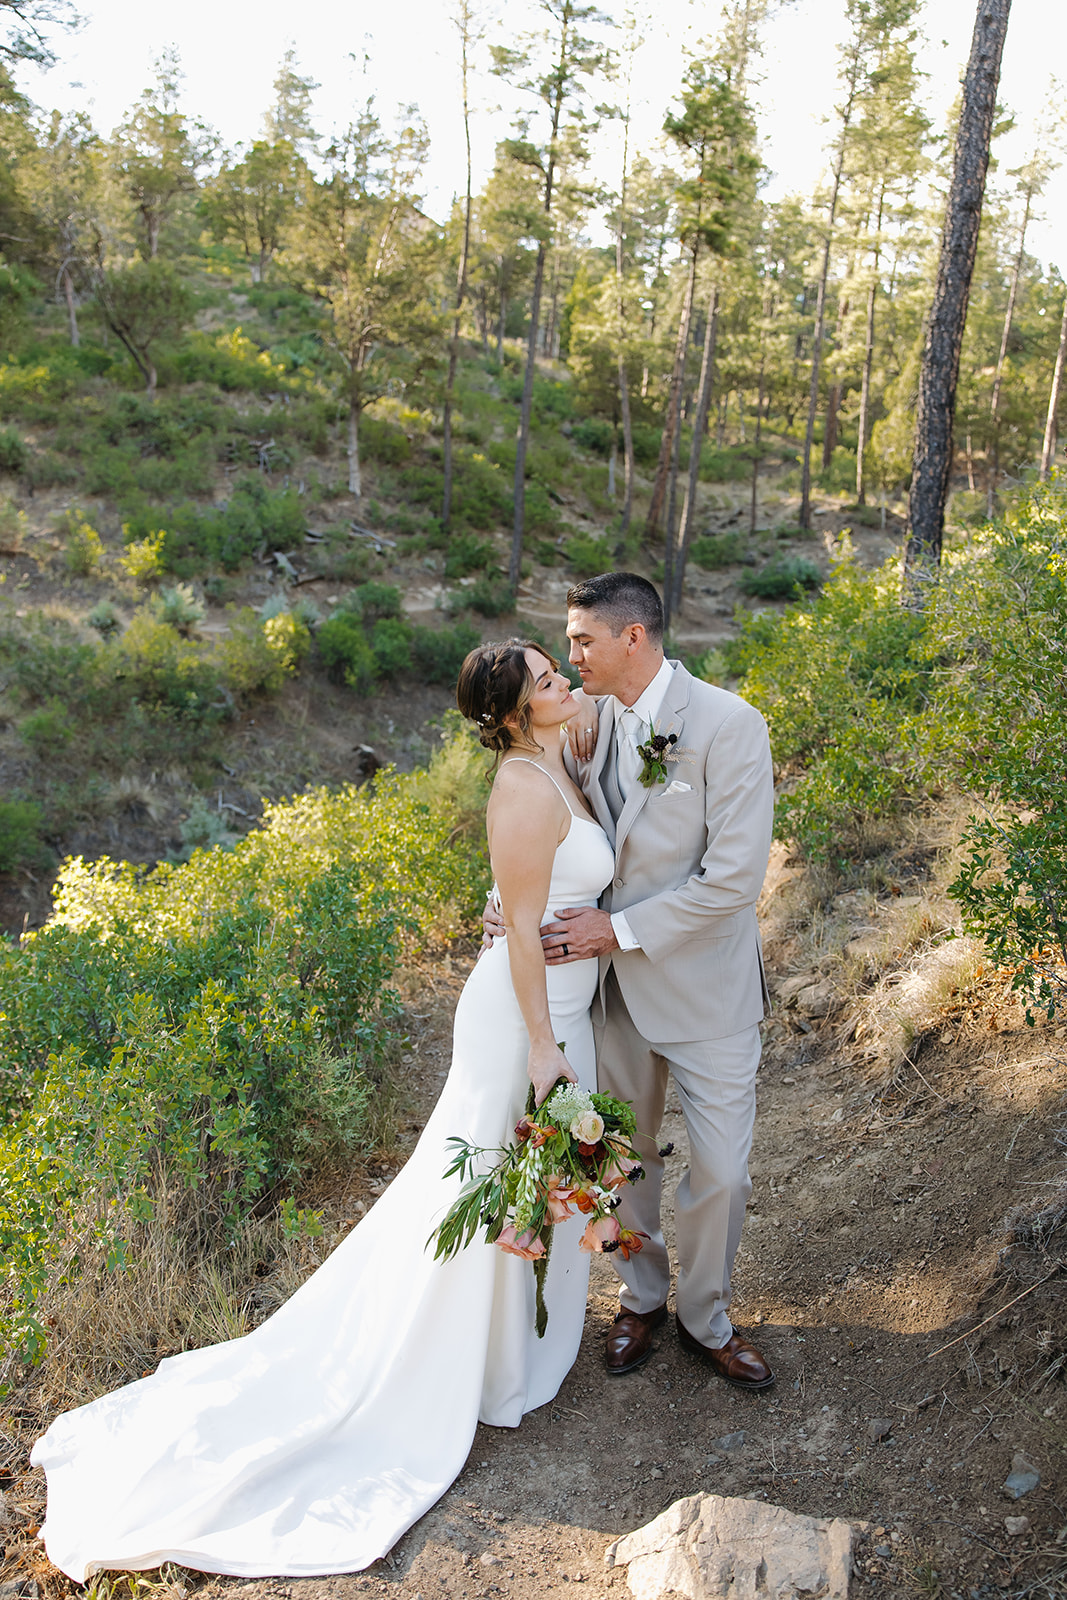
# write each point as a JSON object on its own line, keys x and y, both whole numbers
{"x": 494, "y": 684}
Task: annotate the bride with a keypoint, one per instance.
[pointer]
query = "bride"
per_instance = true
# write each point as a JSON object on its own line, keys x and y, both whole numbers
{"x": 312, "y": 1444}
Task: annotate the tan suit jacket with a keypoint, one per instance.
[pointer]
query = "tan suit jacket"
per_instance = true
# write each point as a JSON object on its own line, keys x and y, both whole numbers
{"x": 689, "y": 865}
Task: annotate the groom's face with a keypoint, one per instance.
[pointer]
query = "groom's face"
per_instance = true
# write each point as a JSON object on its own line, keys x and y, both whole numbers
{"x": 602, "y": 657}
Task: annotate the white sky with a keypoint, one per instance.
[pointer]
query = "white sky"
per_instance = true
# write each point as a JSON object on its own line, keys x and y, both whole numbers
{"x": 407, "y": 52}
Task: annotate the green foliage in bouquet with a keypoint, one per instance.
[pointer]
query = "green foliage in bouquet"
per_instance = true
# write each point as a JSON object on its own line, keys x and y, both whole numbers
{"x": 570, "y": 1155}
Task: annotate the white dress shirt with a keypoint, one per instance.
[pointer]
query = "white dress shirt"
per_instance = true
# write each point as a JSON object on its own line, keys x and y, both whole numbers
{"x": 630, "y": 732}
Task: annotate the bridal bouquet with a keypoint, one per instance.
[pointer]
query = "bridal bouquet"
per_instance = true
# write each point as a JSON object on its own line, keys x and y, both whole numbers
{"x": 570, "y": 1155}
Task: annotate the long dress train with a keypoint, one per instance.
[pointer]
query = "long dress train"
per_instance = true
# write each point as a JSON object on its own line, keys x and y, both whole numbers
{"x": 310, "y": 1445}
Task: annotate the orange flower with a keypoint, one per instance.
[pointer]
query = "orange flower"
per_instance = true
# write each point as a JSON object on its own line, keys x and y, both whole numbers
{"x": 585, "y": 1200}
{"x": 557, "y": 1198}
{"x": 601, "y": 1233}
{"x": 618, "y": 1171}
{"x": 529, "y": 1245}
{"x": 630, "y": 1242}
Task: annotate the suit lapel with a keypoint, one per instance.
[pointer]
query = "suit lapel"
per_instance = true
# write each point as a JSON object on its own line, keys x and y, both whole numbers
{"x": 669, "y": 720}
{"x": 593, "y": 785}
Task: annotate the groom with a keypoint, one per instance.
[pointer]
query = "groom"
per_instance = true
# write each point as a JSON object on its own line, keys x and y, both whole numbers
{"x": 682, "y": 989}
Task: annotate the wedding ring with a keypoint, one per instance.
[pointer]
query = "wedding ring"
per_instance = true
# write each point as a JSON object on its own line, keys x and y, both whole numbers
{"x": 566, "y": 950}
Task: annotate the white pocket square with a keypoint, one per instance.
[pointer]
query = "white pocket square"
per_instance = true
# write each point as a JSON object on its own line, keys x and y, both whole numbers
{"x": 678, "y": 787}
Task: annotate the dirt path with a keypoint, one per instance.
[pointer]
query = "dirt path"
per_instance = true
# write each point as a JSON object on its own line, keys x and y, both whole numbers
{"x": 876, "y": 1234}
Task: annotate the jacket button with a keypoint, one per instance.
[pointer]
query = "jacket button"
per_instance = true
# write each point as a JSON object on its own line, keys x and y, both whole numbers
{"x": 619, "y": 882}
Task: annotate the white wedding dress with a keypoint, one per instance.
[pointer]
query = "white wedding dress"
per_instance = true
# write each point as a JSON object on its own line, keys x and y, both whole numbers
{"x": 313, "y": 1443}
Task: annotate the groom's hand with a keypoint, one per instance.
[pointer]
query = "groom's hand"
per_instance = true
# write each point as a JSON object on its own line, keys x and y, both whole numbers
{"x": 578, "y": 933}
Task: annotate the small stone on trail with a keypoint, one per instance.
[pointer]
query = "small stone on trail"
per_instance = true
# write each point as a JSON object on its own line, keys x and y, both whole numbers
{"x": 1015, "y": 1527}
{"x": 879, "y": 1428}
{"x": 488, "y": 1560}
{"x": 1023, "y": 1477}
{"x": 729, "y": 1441}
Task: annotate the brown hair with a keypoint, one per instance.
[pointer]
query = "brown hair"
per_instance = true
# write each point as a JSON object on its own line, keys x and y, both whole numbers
{"x": 494, "y": 684}
{"x": 620, "y": 598}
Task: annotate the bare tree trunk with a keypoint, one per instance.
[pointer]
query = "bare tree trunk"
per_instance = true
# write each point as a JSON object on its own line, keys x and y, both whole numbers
{"x": 666, "y": 448}
{"x": 868, "y": 356}
{"x": 523, "y": 432}
{"x": 939, "y": 372}
{"x": 673, "y": 599}
{"x": 463, "y": 22}
{"x": 672, "y": 500}
{"x": 970, "y": 463}
{"x": 620, "y": 312}
{"x": 355, "y": 477}
{"x": 612, "y": 458}
{"x": 1048, "y": 449}
{"x": 72, "y": 309}
{"x": 829, "y": 438}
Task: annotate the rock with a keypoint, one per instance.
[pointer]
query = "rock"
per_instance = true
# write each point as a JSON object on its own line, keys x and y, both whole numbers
{"x": 1015, "y": 1527}
{"x": 729, "y": 1441}
{"x": 488, "y": 1560}
{"x": 879, "y": 1428}
{"x": 818, "y": 999}
{"x": 710, "y": 1547}
{"x": 865, "y": 945}
{"x": 1023, "y": 1477}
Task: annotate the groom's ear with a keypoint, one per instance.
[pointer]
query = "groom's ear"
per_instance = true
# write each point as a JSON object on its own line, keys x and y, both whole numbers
{"x": 635, "y": 637}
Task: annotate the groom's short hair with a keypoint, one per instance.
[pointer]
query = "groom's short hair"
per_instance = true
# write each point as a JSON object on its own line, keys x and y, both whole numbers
{"x": 620, "y": 598}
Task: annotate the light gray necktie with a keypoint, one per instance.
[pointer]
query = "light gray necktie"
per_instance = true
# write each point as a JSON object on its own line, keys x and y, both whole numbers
{"x": 629, "y": 733}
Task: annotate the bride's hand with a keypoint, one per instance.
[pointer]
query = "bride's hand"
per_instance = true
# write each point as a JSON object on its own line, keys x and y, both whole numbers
{"x": 547, "y": 1063}
{"x": 581, "y": 730}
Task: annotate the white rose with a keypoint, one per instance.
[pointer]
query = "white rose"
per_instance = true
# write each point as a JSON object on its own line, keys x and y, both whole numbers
{"x": 588, "y": 1128}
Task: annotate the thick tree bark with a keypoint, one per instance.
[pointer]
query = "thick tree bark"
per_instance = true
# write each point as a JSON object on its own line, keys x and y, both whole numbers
{"x": 666, "y": 448}
{"x": 939, "y": 372}
{"x": 1048, "y": 449}
{"x": 673, "y": 597}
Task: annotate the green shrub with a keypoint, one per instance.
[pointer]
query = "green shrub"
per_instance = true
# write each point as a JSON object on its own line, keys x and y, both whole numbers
{"x": 104, "y": 618}
{"x": 256, "y": 657}
{"x": 179, "y": 607}
{"x": 13, "y": 452}
{"x": 162, "y": 670}
{"x": 732, "y": 465}
{"x": 143, "y": 559}
{"x": 84, "y": 548}
{"x": 345, "y": 651}
{"x": 588, "y": 555}
{"x": 593, "y": 433}
{"x": 21, "y": 844}
{"x": 466, "y": 553}
{"x": 288, "y": 635}
{"x": 437, "y": 654}
{"x": 49, "y": 728}
{"x": 48, "y": 471}
{"x": 391, "y": 643}
{"x": 782, "y": 578}
{"x": 255, "y": 516}
{"x": 383, "y": 441}
{"x": 717, "y": 550}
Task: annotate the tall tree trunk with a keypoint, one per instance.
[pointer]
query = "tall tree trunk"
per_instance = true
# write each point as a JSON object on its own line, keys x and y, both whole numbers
{"x": 674, "y": 396}
{"x": 689, "y": 507}
{"x": 939, "y": 372}
{"x": 998, "y": 378}
{"x": 868, "y": 356}
{"x": 620, "y": 326}
{"x": 672, "y": 500}
{"x": 523, "y": 432}
{"x": 355, "y": 476}
{"x": 1048, "y": 448}
{"x": 756, "y": 443}
{"x": 804, "y": 515}
{"x": 461, "y": 284}
{"x": 72, "y": 309}
{"x": 829, "y": 438}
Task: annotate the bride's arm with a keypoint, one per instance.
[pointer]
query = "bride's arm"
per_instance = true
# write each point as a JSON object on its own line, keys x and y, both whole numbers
{"x": 524, "y": 829}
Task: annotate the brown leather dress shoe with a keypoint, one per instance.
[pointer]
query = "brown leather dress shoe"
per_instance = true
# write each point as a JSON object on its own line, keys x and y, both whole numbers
{"x": 739, "y": 1362}
{"x": 629, "y": 1341}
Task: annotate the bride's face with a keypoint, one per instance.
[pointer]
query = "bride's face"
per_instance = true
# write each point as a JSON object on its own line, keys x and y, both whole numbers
{"x": 552, "y": 701}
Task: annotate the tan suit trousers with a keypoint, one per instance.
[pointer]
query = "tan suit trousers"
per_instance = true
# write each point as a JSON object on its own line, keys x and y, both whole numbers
{"x": 716, "y": 1083}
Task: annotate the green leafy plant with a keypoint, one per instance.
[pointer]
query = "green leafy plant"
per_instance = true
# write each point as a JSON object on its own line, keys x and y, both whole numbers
{"x": 782, "y": 578}
{"x": 84, "y": 548}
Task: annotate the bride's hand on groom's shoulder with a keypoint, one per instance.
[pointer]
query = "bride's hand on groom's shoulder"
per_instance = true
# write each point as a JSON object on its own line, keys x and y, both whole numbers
{"x": 581, "y": 730}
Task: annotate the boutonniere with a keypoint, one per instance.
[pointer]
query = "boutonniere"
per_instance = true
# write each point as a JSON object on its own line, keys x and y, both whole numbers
{"x": 655, "y": 753}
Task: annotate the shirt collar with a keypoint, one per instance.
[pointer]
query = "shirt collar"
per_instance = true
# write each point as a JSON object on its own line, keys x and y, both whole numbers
{"x": 648, "y": 703}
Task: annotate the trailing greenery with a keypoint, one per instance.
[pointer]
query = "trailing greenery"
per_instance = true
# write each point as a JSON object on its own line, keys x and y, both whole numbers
{"x": 196, "y": 1037}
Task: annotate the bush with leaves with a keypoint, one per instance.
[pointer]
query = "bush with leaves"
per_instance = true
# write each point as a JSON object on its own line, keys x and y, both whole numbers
{"x": 200, "y": 1035}
{"x": 84, "y": 548}
{"x": 782, "y": 578}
